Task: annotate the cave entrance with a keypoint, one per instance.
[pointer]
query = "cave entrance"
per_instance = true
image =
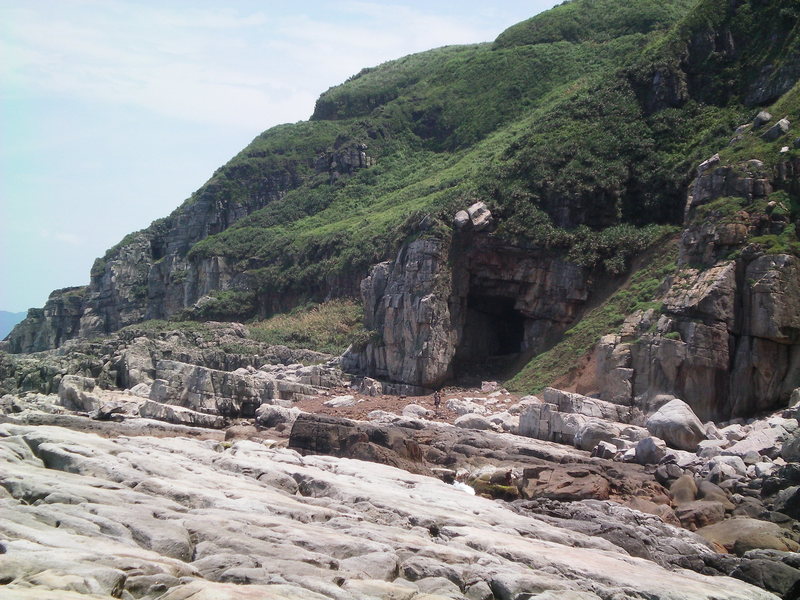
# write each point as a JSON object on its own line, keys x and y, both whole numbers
{"x": 493, "y": 337}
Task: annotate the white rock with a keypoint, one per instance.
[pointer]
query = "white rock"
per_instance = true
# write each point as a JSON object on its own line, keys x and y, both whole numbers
{"x": 677, "y": 425}
{"x": 473, "y": 421}
{"x": 415, "y": 411}
{"x": 341, "y": 401}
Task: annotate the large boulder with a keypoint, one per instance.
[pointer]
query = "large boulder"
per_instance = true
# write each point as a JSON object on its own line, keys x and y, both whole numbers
{"x": 77, "y": 393}
{"x": 180, "y": 415}
{"x": 677, "y": 425}
{"x": 272, "y": 415}
{"x": 742, "y": 534}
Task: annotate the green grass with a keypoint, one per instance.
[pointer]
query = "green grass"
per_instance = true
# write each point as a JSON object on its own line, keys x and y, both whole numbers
{"x": 594, "y": 21}
{"x": 553, "y": 126}
{"x": 329, "y": 327}
{"x": 156, "y": 326}
{"x": 640, "y": 293}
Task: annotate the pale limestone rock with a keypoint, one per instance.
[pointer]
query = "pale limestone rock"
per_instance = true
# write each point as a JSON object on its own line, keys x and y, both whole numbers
{"x": 341, "y": 401}
{"x": 466, "y": 406}
{"x": 236, "y": 513}
{"x": 473, "y": 421}
{"x": 270, "y": 415}
{"x": 415, "y": 411}
{"x": 677, "y": 425}
{"x": 180, "y": 415}
{"x": 480, "y": 216}
{"x": 77, "y": 393}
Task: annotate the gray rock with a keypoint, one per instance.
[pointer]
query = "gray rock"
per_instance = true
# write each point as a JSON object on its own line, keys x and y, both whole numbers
{"x": 465, "y": 406}
{"x": 271, "y": 415}
{"x": 779, "y": 129}
{"x": 179, "y": 415}
{"x": 341, "y": 401}
{"x": 791, "y": 449}
{"x": 142, "y": 390}
{"x": 762, "y": 118}
{"x": 677, "y": 425}
{"x": 480, "y": 216}
{"x": 595, "y": 431}
{"x": 461, "y": 219}
{"x": 76, "y": 393}
{"x": 415, "y": 411}
{"x": 605, "y": 450}
{"x": 473, "y": 421}
{"x": 650, "y": 451}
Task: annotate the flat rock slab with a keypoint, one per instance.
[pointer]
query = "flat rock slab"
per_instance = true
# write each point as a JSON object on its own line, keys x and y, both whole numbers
{"x": 84, "y": 516}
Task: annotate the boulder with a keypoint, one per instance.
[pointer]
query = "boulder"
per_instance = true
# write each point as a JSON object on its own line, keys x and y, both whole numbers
{"x": 461, "y": 219}
{"x": 595, "y": 431}
{"x": 726, "y": 467}
{"x": 699, "y": 513}
{"x": 677, "y": 425}
{"x": 341, "y": 401}
{"x": 650, "y": 451}
{"x": 480, "y": 216}
{"x": 771, "y": 575}
{"x": 473, "y": 421}
{"x": 779, "y": 129}
{"x": 271, "y": 415}
{"x": 762, "y": 118}
{"x": 77, "y": 393}
{"x": 415, "y": 411}
{"x": 141, "y": 389}
{"x": 791, "y": 448}
{"x": 465, "y": 406}
{"x": 741, "y": 534}
{"x": 605, "y": 450}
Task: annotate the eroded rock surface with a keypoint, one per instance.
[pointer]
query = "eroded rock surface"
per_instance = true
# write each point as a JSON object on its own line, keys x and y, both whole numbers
{"x": 88, "y": 517}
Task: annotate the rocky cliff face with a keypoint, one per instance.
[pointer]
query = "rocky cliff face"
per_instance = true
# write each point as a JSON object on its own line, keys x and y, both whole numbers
{"x": 445, "y": 304}
{"x": 48, "y": 327}
{"x": 727, "y": 337}
{"x": 150, "y": 274}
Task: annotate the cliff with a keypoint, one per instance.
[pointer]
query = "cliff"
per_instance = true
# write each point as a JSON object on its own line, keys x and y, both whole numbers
{"x": 578, "y": 133}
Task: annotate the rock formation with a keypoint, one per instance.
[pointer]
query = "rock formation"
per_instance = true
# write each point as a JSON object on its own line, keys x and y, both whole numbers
{"x": 85, "y": 516}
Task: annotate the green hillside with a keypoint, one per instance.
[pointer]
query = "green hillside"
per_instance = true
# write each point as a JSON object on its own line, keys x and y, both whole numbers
{"x": 451, "y": 125}
{"x": 580, "y": 128}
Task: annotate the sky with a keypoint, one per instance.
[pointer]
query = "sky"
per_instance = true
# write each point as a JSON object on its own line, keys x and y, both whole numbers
{"x": 112, "y": 112}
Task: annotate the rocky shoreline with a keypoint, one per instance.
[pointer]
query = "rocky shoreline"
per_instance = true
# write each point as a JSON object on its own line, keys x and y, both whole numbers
{"x": 211, "y": 475}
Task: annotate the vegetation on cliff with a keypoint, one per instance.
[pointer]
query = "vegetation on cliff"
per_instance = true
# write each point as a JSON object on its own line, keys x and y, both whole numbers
{"x": 580, "y": 128}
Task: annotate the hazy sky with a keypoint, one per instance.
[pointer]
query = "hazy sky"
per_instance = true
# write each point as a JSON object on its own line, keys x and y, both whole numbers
{"x": 113, "y": 111}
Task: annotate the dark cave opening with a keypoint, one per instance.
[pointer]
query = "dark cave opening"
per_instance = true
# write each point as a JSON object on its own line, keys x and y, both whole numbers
{"x": 493, "y": 336}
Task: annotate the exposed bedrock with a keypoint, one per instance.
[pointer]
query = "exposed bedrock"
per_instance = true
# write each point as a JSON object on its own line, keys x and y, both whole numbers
{"x": 443, "y": 305}
{"x": 176, "y": 518}
{"x": 727, "y": 337}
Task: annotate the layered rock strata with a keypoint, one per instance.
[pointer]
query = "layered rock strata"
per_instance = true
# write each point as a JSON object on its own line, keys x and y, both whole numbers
{"x": 727, "y": 336}
{"x": 135, "y": 517}
{"x": 445, "y": 304}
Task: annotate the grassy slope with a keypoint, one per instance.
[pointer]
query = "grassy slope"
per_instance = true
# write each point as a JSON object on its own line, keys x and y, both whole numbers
{"x": 442, "y": 125}
{"x": 555, "y": 113}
